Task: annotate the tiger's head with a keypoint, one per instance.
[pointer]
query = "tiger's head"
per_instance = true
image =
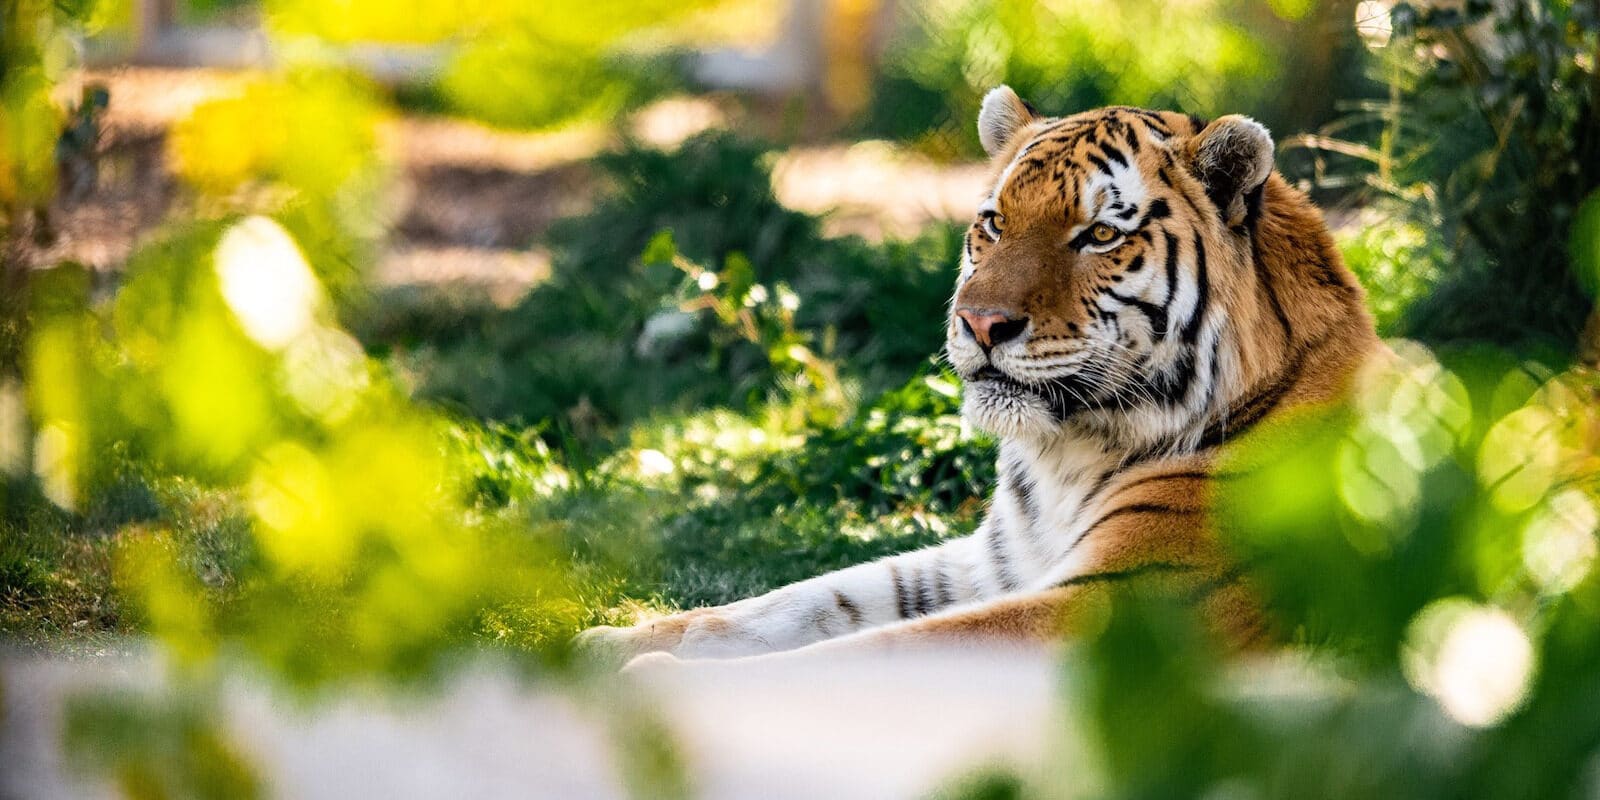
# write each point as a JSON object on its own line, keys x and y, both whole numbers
{"x": 1102, "y": 272}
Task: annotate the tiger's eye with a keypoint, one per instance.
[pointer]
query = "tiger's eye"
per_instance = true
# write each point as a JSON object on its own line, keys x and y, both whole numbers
{"x": 1102, "y": 233}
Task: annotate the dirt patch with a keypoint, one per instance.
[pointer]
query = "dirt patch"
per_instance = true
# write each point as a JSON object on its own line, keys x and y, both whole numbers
{"x": 502, "y": 275}
{"x": 875, "y": 189}
{"x": 487, "y": 207}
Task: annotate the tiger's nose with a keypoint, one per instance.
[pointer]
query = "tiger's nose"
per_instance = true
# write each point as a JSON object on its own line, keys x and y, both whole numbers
{"x": 990, "y": 328}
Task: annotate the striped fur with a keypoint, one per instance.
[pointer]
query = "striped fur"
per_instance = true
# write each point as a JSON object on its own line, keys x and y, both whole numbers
{"x": 1220, "y": 302}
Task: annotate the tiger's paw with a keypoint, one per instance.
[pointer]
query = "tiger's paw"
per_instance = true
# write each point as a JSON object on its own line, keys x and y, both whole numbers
{"x": 608, "y": 648}
{"x": 650, "y": 664}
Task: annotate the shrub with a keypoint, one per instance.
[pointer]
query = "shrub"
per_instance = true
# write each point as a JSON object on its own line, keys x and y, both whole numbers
{"x": 1516, "y": 87}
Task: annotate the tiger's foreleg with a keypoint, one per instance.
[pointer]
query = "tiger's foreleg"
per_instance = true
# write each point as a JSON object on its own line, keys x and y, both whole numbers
{"x": 1043, "y": 619}
{"x": 841, "y": 603}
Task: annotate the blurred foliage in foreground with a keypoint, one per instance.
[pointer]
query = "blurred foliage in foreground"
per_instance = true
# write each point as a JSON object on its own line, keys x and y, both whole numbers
{"x": 218, "y": 359}
{"x": 302, "y": 147}
{"x": 1431, "y": 547}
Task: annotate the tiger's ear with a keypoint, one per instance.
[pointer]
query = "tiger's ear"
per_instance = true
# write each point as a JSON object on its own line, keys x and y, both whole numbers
{"x": 1003, "y": 114}
{"x": 1232, "y": 157}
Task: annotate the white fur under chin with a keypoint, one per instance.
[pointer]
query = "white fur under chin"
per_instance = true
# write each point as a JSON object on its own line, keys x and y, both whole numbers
{"x": 1007, "y": 413}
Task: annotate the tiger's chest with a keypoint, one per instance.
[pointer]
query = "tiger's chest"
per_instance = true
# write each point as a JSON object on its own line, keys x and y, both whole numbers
{"x": 1047, "y": 500}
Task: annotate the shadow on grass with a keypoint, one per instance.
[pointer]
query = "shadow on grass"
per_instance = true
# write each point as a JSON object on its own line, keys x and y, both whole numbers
{"x": 665, "y": 548}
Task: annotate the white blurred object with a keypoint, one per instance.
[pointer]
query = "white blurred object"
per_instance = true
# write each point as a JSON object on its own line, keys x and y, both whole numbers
{"x": 664, "y": 330}
{"x": 837, "y": 728}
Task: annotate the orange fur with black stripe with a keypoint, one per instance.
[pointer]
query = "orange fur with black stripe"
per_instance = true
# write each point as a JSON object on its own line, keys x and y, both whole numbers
{"x": 1138, "y": 289}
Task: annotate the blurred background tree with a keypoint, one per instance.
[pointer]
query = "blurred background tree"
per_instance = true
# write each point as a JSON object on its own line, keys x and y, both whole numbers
{"x": 1207, "y": 58}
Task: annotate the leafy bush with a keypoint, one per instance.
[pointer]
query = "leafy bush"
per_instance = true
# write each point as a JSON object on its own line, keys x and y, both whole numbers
{"x": 301, "y": 147}
{"x": 1434, "y": 543}
{"x": 290, "y": 480}
{"x": 1515, "y": 85}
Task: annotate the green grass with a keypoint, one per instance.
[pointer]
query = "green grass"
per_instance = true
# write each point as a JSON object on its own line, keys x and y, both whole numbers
{"x": 57, "y": 586}
{"x": 733, "y": 518}
{"x": 748, "y": 505}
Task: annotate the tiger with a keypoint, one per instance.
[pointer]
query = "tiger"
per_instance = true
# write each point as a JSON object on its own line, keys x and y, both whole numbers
{"x": 1137, "y": 289}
